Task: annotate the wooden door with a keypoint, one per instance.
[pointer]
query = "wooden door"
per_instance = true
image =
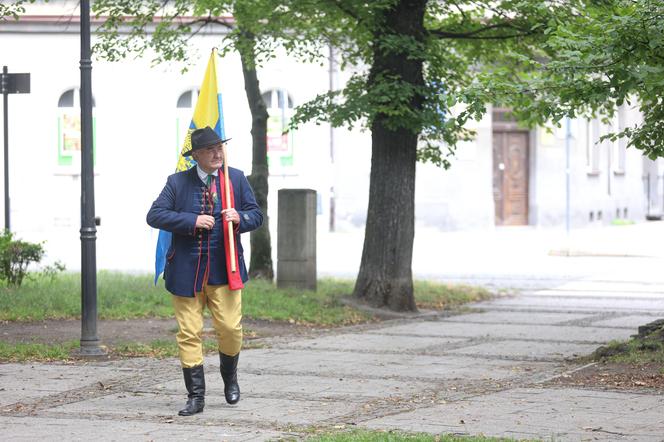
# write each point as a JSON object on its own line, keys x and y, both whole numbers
{"x": 510, "y": 177}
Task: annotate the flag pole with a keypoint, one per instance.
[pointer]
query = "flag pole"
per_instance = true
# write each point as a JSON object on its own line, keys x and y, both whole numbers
{"x": 227, "y": 186}
{"x": 227, "y": 190}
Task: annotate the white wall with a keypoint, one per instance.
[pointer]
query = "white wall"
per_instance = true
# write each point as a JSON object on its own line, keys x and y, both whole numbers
{"x": 603, "y": 190}
{"x": 462, "y": 196}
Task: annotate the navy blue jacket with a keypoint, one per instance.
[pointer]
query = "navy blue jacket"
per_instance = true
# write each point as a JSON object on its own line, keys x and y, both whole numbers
{"x": 176, "y": 210}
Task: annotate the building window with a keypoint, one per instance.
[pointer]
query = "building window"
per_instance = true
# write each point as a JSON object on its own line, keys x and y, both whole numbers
{"x": 279, "y": 104}
{"x": 620, "y": 145}
{"x": 184, "y": 112}
{"x": 593, "y": 146}
{"x": 186, "y": 100}
{"x": 69, "y": 128}
{"x": 66, "y": 99}
{"x": 277, "y": 99}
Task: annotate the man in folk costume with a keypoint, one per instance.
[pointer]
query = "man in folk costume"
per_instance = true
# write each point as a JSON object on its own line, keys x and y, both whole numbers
{"x": 204, "y": 264}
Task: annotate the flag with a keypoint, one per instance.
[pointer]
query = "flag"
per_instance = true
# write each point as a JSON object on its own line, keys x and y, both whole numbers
{"x": 208, "y": 112}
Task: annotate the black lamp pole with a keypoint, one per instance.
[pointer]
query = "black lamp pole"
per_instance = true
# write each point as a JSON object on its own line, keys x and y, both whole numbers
{"x": 5, "y": 95}
{"x": 90, "y": 345}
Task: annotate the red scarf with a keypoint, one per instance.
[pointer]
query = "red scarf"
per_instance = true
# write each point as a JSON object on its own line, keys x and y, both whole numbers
{"x": 234, "y": 278}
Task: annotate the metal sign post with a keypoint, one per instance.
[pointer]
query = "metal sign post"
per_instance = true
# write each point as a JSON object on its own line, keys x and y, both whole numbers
{"x": 10, "y": 84}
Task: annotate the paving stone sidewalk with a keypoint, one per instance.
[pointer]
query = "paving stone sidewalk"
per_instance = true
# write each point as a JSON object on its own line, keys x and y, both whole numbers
{"x": 483, "y": 372}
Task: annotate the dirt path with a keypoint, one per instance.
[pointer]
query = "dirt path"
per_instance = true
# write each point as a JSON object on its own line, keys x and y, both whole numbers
{"x": 145, "y": 330}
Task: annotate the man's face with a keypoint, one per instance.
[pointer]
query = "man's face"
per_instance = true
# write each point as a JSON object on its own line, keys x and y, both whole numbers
{"x": 209, "y": 158}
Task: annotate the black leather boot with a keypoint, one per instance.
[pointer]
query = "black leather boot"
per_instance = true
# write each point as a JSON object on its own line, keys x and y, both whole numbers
{"x": 194, "y": 380}
{"x": 228, "y": 367}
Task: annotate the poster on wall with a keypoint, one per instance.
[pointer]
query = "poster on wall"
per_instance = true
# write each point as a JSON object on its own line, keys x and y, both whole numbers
{"x": 71, "y": 134}
{"x": 279, "y": 146}
{"x": 69, "y": 140}
{"x": 280, "y": 140}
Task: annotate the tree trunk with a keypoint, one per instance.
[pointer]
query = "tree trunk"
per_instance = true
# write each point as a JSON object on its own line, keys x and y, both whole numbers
{"x": 385, "y": 278}
{"x": 260, "y": 266}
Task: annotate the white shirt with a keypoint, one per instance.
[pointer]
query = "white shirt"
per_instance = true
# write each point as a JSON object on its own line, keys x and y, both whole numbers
{"x": 203, "y": 175}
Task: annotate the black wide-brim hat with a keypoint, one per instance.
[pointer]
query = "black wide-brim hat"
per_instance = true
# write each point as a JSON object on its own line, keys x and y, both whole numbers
{"x": 202, "y": 138}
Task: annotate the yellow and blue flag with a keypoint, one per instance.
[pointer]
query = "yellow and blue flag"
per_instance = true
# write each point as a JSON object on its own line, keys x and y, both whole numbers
{"x": 208, "y": 112}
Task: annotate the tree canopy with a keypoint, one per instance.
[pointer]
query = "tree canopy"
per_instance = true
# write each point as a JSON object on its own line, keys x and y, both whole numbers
{"x": 546, "y": 60}
{"x": 12, "y": 9}
{"x": 604, "y": 55}
{"x": 457, "y": 41}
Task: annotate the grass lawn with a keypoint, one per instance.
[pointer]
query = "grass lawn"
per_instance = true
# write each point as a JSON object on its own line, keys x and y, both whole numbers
{"x": 125, "y": 296}
{"x": 119, "y": 296}
{"x": 441, "y": 296}
{"x": 635, "y": 351}
{"x": 632, "y": 364}
{"x": 161, "y": 348}
{"x": 36, "y": 352}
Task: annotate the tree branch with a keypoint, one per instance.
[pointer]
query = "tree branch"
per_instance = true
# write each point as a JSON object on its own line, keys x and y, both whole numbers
{"x": 346, "y": 10}
{"x": 473, "y": 35}
{"x": 461, "y": 11}
{"x": 210, "y": 20}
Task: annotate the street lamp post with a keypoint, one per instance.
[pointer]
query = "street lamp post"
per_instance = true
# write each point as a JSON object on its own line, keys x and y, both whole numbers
{"x": 90, "y": 344}
{"x": 5, "y": 106}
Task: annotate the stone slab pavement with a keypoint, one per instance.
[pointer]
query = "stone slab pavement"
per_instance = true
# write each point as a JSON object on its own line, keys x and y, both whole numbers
{"x": 481, "y": 372}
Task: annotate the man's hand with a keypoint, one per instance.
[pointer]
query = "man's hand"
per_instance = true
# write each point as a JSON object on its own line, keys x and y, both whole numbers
{"x": 230, "y": 215}
{"x": 205, "y": 222}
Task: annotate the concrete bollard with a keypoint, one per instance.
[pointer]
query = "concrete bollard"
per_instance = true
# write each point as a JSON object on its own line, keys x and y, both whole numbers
{"x": 296, "y": 239}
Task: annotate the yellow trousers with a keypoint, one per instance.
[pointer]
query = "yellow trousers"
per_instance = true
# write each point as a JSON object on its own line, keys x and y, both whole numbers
{"x": 225, "y": 307}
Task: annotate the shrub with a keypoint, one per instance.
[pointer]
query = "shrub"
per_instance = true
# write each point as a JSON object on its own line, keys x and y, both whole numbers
{"x": 51, "y": 271}
{"x": 15, "y": 257}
